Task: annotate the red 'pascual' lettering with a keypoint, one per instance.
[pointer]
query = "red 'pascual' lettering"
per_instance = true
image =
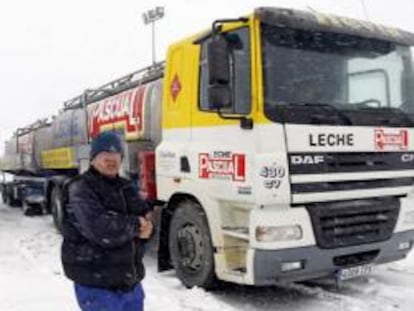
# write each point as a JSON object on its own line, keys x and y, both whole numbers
{"x": 213, "y": 167}
{"x": 394, "y": 139}
{"x": 124, "y": 110}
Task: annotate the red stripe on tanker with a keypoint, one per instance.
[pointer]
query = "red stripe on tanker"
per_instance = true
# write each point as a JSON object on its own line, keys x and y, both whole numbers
{"x": 124, "y": 110}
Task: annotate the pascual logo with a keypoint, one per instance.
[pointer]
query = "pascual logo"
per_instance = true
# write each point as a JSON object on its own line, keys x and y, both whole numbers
{"x": 124, "y": 109}
{"x": 391, "y": 139}
{"x": 407, "y": 157}
{"x": 306, "y": 159}
{"x": 222, "y": 165}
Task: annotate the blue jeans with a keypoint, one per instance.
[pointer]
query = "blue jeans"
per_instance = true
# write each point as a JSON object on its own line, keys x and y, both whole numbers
{"x": 98, "y": 299}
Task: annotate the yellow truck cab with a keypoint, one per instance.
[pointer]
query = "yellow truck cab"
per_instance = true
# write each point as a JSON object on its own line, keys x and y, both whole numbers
{"x": 287, "y": 148}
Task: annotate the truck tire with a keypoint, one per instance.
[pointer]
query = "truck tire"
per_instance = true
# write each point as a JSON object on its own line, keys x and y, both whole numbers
{"x": 4, "y": 197}
{"x": 191, "y": 247}
{"x": 57, "y": 207}
{"x": 15, "y": 203}
{"x": 11, "y": 201}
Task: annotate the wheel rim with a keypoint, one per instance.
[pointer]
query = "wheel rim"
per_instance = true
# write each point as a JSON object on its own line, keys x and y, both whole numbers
{"x": 190, "y": 247}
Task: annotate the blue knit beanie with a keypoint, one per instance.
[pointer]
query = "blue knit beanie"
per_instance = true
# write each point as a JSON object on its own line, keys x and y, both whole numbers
{"x": 106, "y": 141}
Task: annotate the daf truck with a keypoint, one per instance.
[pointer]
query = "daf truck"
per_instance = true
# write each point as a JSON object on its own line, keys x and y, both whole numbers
{"x": 279, "y": 145}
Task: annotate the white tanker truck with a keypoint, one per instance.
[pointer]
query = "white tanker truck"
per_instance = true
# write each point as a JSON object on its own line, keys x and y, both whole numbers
{"x": 280, "y": 146}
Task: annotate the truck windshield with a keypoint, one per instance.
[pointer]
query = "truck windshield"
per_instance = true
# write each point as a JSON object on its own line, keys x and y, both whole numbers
{"x": 332, "y": 78}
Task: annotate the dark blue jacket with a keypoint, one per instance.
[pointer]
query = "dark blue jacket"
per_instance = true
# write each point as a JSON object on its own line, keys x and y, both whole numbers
{"x": 101, "y": 247}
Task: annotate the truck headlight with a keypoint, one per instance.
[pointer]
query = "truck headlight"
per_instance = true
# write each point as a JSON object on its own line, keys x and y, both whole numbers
{"x": 404, "y": 245}
{"x": 275, "y": 234}
{"x": 292, "y": 265}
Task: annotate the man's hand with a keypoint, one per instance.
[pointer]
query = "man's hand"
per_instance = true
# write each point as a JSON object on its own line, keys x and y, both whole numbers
{"x": 145, "y": 227}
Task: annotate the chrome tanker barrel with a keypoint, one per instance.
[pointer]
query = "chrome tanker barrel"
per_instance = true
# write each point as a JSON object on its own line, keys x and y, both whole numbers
{"x": 43, "y": 141}
{"x": 11, "y": 158}
{"x": 25, "y": 148}
{"x": 153, "y": 109}
{"x": 69, "y": 129}
{"x": 135, "y": 113}
{"x": 130, "y": 105}
{"x": 149, "y": 117}
{"x": 10, "y": 146}
{"x": 18, "y": 156}
{"x": 67, "y": 137}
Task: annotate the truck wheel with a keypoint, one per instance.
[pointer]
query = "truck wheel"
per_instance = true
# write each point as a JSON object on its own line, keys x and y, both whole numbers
{"x": 191, "y": 247}
{"x": 12, "y": 202}
{"x": 4, "y": 197}
{"x": 15, "y": 203}
{"x": 56, "y": 207}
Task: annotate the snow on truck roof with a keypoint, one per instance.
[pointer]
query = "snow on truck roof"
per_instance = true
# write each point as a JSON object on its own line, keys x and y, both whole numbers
{"x": 318, "y": 21}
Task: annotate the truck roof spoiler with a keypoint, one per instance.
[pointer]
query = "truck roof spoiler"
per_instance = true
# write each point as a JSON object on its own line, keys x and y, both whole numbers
{"x": 318, "y": 21}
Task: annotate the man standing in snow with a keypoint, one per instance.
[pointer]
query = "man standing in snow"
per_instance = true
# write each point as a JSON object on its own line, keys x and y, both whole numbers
{"x": 104, "y": 228}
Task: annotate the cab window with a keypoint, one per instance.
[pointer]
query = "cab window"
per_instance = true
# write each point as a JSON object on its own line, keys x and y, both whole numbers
{"x": 240, "y": 60}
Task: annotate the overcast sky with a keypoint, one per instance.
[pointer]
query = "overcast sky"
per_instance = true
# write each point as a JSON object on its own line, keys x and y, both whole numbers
{"x": 51, "y": 50}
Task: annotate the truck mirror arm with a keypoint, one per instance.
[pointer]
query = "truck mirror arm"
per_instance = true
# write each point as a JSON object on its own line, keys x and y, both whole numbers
{"x": 245, "y": 122}
{"x": 217, "y": 27}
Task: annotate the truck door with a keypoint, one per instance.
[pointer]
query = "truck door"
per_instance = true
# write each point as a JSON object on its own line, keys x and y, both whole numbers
{"x": 221, "y": 146}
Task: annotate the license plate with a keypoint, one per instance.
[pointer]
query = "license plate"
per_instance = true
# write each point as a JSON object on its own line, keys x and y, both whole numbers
{"x": 350, "y": 273}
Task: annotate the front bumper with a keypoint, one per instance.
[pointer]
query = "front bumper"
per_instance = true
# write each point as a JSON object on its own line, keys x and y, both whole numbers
{"x": 317, "y": 262}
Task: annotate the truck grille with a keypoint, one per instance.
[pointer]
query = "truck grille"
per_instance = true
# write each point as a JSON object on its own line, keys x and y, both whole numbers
{"x": 347, "y": 223}
{"x": 351, "y": 185}
{"x": 346, "y": 162}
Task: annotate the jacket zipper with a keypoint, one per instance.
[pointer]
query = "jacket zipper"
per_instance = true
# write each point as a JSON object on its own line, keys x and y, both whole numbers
{"x": 134, "y": 251}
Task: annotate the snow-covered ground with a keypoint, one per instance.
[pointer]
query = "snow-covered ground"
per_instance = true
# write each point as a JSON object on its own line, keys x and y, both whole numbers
{"x": 31, "y": 279}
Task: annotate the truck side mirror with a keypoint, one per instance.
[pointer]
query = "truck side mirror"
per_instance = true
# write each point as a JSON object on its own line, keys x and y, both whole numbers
{"x": 218, "y": 60}
{"x": 219, "y": 96}
{"x": 218, "y": 53}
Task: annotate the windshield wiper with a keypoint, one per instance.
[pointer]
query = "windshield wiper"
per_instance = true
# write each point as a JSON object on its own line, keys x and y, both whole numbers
{"x": 397, "y": 112}
{"x": 340, "y": 113}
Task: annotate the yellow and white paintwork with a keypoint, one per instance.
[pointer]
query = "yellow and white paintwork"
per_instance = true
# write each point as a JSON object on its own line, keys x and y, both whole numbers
{"x": 188, "y": 131}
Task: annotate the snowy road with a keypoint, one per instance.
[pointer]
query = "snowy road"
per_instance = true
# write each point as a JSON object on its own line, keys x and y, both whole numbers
{"x": 31, "y": 280}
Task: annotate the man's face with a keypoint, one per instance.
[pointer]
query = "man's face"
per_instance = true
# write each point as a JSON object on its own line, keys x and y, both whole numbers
{"x": 107, "y": 163}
